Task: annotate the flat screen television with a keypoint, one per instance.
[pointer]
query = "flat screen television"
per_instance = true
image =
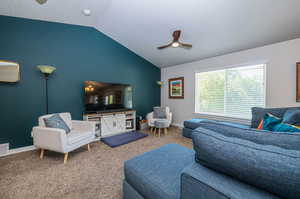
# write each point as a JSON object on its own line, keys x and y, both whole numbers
{"x": 101, "y": 97}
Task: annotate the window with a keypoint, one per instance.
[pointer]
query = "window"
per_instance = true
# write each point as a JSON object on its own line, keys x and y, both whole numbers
{"x": 230, "y": 92}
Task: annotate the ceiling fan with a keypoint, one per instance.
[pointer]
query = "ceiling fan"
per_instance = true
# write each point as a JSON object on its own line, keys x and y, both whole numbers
{"x": 41, "y": 1}
{"x": 176, "y": 43}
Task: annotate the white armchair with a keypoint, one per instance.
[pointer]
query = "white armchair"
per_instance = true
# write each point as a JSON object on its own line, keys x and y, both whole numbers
{"x": 151, "y": 119}
{"x": 54, "y": 139}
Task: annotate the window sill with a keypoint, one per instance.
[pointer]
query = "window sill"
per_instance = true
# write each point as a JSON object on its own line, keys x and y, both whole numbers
{"x": 216, "y": 116}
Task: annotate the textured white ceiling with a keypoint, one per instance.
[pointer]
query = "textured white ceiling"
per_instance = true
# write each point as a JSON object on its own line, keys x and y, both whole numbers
{"x": 214, "y": 27}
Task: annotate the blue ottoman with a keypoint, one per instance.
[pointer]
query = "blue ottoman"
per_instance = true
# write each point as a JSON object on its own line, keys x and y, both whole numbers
{"x": 156, "y": 174}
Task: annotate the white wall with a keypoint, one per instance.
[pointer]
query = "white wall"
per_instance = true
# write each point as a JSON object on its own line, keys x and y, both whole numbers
{"x": 281, "y": 61}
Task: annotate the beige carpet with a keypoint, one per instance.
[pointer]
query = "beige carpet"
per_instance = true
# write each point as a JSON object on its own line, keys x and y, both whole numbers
{"x": 87, "y": 175}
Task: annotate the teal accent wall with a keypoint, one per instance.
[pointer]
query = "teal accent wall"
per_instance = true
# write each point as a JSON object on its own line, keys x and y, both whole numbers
{"x": 79, "y": 54}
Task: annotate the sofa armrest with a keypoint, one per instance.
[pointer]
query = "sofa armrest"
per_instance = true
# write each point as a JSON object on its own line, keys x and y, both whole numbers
{"x": 169, "y": 117}
{"x": 49, "y": 138}
{"x": 80, "y": 125}
{"x": 149, "y": 118}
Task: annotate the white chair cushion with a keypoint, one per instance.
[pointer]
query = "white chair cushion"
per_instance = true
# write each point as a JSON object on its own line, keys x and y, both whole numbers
{"x": 152, "y": 121}
{"x": 162, "y": 123}
{"x": 77, "y": 136}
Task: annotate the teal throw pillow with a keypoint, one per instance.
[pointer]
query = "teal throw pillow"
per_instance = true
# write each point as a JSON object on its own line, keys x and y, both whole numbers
{"x": 275, "y": 124}
{"x": 55, "y": 121}
{"x": 270, "y": 121}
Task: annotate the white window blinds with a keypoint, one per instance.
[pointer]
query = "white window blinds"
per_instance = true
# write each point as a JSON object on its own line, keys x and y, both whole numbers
{"x": 230, "y": 92}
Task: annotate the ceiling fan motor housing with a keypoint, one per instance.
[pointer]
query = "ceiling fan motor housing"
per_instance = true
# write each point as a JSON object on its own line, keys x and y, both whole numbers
{"x": 41, "y": 1}
{"x": 176, "y": 43}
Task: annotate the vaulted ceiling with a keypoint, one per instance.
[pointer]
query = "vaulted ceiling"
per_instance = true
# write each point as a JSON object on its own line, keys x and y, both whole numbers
{"x": 214, "y": 27}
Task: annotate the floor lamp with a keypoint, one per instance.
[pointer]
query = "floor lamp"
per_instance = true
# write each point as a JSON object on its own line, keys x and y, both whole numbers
{"x": 46, "y": 70}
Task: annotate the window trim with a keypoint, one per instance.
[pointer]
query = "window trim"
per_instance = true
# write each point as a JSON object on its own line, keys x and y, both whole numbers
{"x": 265, "y": 66}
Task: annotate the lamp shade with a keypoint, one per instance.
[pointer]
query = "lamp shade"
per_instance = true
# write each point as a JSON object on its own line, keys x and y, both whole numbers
{"x": 46, "y": 69}
{"x": 160, "y": 83}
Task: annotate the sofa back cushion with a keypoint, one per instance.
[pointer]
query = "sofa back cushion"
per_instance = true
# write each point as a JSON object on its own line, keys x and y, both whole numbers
{"x": 268, "y": 167}
{"x": 65, "y": 116}
{"x": 292, "y": 117}
{"x": 287, "y": 140}
{"x": 259, "y": 113}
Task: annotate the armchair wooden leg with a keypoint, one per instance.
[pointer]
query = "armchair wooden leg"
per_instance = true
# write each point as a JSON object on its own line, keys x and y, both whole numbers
{"x": 42, "y": 154}
{"x": 166, "y": 131}
{"x": 89, "y": 148}
{"x": 158, "y": 132}
{"x": 66, "y": 158}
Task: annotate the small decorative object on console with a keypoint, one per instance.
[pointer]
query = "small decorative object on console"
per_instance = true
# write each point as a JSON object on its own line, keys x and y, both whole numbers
{"x": 143, "y": 124}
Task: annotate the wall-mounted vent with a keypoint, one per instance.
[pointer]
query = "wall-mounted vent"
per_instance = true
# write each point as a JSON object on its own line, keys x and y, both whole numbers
{"x": 4, "y": 149}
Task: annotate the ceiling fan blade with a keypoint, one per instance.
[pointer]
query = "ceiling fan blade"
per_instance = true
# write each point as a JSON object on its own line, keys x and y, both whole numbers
{"x": 165, "y": 46}
{"x": 41, "y": 1}
{"x": 176, "y": 35}
{"x": 186, "y": 45}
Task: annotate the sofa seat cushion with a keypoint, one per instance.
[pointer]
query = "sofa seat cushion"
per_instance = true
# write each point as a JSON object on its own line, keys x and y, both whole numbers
{"x": 156, "y": 174}
{"x": 268, "y": 167}
{"x": 77, "y": 136}
{"x": 200, "y": 182}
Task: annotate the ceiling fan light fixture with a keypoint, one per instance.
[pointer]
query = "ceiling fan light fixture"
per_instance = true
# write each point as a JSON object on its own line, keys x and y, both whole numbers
{"x": 41, "y": 1}
{"x": 86, "y": 12}
{"x": 175, "y": 44}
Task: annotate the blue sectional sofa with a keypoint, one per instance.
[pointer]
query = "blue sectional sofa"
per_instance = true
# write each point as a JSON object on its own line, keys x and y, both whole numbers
{"x": 191, "y": 125}
{"x": 229, "y": 161}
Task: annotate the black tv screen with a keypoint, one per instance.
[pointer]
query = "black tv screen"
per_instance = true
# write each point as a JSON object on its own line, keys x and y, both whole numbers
{"x": 100, "y": 96}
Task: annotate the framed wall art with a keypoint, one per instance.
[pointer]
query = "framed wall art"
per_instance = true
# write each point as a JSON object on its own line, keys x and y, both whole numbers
{"x": 176, "y": 88}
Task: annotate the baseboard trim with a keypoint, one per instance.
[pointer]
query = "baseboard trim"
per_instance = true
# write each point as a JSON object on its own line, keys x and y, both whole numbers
{"x": 20, "y": 150}
{"x": 177, "y": 125}
{"x": 32, "y": 147}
